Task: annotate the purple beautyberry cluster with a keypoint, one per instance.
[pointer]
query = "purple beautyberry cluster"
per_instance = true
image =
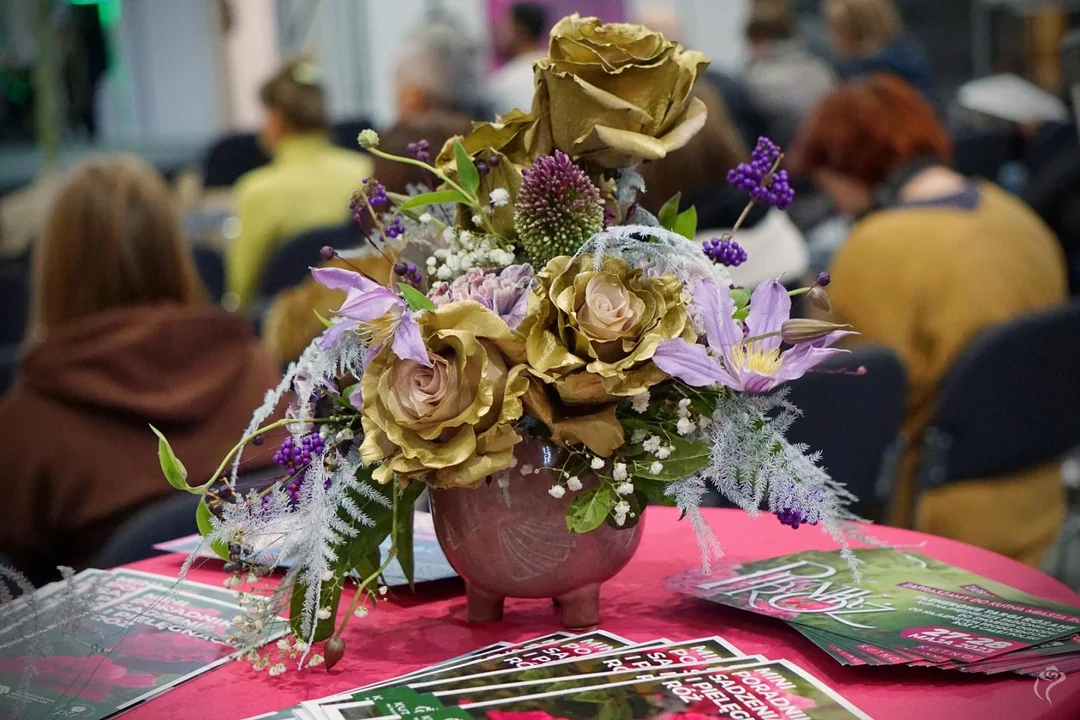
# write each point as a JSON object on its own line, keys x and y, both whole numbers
{"x": 419, "y": 150}
{"x": 376, "y": 193}
{"x": 758, "y": 179}
{"x": 724, "y": 252}
{"x": 357, "y": 215}
{"x": 483, "y": 166}
{"x": 293, "y": 455}
{"x": 408, "y": 273}
{"x": 396, "y": 228}
{"x": 792, "y": 518}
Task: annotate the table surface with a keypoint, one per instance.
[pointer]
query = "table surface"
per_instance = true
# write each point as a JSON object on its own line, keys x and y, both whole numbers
{"x": 413, "y": 631}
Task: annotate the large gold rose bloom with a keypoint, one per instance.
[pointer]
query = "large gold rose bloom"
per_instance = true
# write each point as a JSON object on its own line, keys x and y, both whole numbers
{"x": 591, "y": 334}
{"x": 615, "y": 94}
{"x": 450, "y": 425}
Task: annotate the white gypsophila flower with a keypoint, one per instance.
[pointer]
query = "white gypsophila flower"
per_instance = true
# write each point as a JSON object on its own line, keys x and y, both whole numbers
{"x": 626, "y": 488}
{"x": 444, "y": 273}
{"x": 656, "y": 468}
{"x": 465, "y": 238}
{"x": 684, "y": 408}
{"x": 526, "y": 469}
{"x": 597, "y": 463}
{"x": 640, "y": 402}
{"x": 619, "y": 512}
{"x": 323, "y": 614}
{"x": 513, "y": 462}
{"x": 327, "y": 576}
{"x": 360, "y": 612}
{"x": 499, "y": 197}
{"x": 383, "y": 589}
{"x": 477, "y": 220}
{"x": 300, "y": 646}
{"x": 573, "y": 483}
{"x": 503, "y": 480}
{"x": 283, "y": 644}
{"x": 663, "y": 453}
{"x": 556, "y": 491}
{"x": 315, "y": 660}
{"x": 652, "y": 444}
{"x": 278, "y": 669}
{"x": 425, "y": 218}
{"x": 685, "y": 426}
{"x": 618, "y": 472}
{"x": 231, "y": 581}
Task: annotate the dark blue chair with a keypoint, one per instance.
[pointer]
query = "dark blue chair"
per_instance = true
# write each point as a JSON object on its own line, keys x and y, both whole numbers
{"x": 14, "y": 299}
{"x": 1011, "y": 401}
{"x": 343, "y": 134}
{"x": 291, "y": 263}
{"x": 230, "y": 157}
{"x": 211, "y": 268}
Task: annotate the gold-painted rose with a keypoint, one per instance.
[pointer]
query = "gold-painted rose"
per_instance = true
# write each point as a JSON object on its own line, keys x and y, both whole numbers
{"x": 504, "y": 148}
{"x": 451, "y": 424}
{"x": 615, "y": 94}
{"x": 591, "y": 334}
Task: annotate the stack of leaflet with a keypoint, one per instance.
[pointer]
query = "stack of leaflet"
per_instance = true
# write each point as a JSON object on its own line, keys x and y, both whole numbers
{"x": 592, "y": 676}
{"x": 104, "y": 641}
{"x": 907, "y": 609}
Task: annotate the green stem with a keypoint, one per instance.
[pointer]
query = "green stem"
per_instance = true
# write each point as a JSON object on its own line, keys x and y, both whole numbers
{"x": 362, "y": 587}
{"x": 416, "y": 163}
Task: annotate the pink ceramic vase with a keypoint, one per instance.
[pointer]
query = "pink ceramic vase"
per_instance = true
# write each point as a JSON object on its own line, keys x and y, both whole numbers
{"x": 513, "y": 541}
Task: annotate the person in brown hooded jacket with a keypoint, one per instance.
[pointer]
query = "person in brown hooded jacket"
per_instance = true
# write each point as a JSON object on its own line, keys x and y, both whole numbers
{"x": 121, "y": 337}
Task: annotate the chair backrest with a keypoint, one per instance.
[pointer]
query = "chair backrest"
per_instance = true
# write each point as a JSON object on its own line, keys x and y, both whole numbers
{"x": 854, "y": 420}
{"x": 230, "y": 157}
{"x": 290, "y": 263}
{"x": 167, "y": 519}
{"x": 1011, "y": 401}
{"x": 14, "y": 299}
{"x": 211, "y": 268}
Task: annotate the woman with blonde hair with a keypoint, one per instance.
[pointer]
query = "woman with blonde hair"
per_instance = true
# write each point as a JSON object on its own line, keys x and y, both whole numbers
{"x": 121, "y": 337}
{"x": 869, "y": 35}
{"x": 307, "y": 184}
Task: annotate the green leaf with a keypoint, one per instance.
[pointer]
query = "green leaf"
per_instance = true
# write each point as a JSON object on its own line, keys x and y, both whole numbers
{"x": 323, "y": 320}
{"x": 202, "y": 521}
{"x": 687, "y": 456}
{"x": 468, "y": 175}
{"x": 686, "y": 223}
{"x": 329, "y": 596}
{"x": 415, "y": 299}
{"x": 740, "y": 297}
{"x": 652, "y": 492}
{"x": 439, "y": 197}
{"x": 403, "y": 540}
{"x": 741, "y": 314}
{"x": 174, "y": 470}
{"x": 588, "y": 510}
{"x": 669, "y": 213}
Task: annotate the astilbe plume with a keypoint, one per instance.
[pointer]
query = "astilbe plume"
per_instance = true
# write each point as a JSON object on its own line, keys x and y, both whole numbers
{"x": 558, "y": 208}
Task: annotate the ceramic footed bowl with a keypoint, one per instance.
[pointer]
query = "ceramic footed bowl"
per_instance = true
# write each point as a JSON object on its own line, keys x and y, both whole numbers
{"x": 513, "y": 541}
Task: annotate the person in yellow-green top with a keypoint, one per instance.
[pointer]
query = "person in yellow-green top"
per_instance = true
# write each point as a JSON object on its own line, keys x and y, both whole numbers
{"x": 307, "y": 184}
{"x": 933, "y": 261}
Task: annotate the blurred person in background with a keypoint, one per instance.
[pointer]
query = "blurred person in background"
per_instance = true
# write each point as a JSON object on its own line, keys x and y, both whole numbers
{"x": 307, "y": 184}
{"x": 438, "y": 81}
{"x": 520, "y": 41}
{"x": 869, "y": 36}
{"x": 933, "y": 260}
{"x": 784, "y": 79}
{"x": 121, "y": 337}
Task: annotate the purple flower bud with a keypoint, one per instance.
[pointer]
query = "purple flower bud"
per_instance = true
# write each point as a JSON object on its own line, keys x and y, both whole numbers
{"x": 327, "y": 253}
{"x": 823, "y": 279}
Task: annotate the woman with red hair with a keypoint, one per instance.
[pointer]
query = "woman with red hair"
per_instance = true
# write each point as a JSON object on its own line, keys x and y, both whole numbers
{"x": 933, "y": 260}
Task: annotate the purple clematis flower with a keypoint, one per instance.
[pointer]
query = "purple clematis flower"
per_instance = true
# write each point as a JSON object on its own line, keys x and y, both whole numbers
{"x": 374, "y": 310}
{"x": 751, "y": 364}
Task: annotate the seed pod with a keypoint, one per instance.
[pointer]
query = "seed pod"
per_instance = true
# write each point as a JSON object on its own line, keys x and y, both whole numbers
{"x": 819, "y": 298}
{"x": 333, "y": 652}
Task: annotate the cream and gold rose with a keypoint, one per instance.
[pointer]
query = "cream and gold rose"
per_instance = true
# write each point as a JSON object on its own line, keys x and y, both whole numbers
{"x": 590, "y": 334}
{"x": 450, "y": 424}
{"x": 615, "y": 94}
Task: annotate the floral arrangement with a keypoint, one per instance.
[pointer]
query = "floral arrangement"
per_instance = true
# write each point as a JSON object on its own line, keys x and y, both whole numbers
{"x": 531, "y": 297}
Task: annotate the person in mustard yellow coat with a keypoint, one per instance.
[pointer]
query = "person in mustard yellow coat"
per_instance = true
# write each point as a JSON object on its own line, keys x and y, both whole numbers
{"x": 307, "y": 184}
{"x": 933, "y": 260}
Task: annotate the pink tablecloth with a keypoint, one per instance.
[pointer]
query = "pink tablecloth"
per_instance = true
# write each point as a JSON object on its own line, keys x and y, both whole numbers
{"x": 411, "y": 632}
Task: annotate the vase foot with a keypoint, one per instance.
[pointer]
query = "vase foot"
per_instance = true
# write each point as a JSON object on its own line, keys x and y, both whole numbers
{"x": 580, "y": 608}
{"x": 484, "y": 607}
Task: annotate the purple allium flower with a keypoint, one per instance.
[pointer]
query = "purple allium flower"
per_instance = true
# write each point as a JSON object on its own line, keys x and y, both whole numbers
{"x": 294, "y": 455}
{"x": 724, "y": 252}
{"x": 505, "y": 291}
{"x": 558, "y": 208}
{"x": 758, "y": 179}
{"x": 396, "y": 228}
{"x": 419, "y": 150}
